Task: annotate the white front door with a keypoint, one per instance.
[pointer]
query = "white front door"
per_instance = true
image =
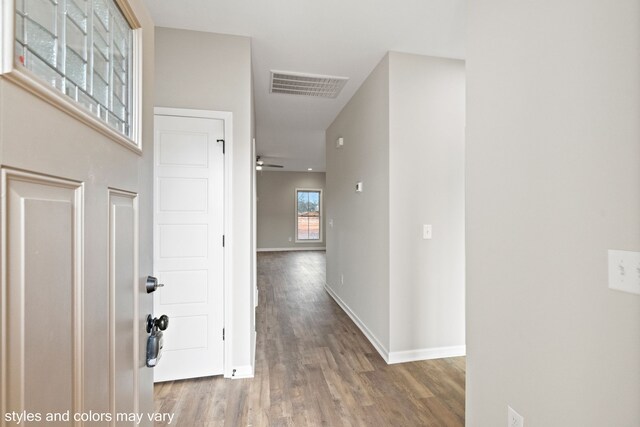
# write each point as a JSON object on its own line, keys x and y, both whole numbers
{"x": 188, "y": 244}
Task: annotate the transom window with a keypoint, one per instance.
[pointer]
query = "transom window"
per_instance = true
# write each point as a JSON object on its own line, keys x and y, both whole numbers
{"x": 308, "y": 215}
{"x": 82, "y": 48}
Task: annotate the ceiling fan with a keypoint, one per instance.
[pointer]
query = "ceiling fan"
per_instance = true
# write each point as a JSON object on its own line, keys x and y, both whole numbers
{"x": 261, "y": 164}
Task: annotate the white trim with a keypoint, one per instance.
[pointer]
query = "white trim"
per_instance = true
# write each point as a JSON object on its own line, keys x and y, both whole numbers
{"x": 427, "y": 354}
{"x": 27, "y": 80}
{"x": 112, "y": 192}
{"x": 244, "y": 371}
{"x": 227, "y": 117}
{"x": 397, "y": 356}
{"x": 323, "y": 248}
{"x": 7, "y": 35}
{"x": 16, "y": 363}
{"x": 137, "y": 98}
{"x": 199, "y": 114}
{"x": 380, "y": 348}
{"x": 321, "y": 217}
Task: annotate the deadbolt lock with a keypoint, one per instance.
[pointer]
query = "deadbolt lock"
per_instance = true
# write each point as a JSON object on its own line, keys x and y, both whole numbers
{"x": 152, "y": 284}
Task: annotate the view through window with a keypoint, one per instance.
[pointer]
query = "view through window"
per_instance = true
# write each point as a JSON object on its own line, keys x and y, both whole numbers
{"x": 308, "y": 214}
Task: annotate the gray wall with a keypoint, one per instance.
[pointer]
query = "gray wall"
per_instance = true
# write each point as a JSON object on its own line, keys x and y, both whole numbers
{"x": 276, "y": 208}
{"x": 213, "y": 72}
{"x": 404, "y": 139}
{"x": 358, "y": 242}
{"x": 553, "y": 182}
{"x": 426, "y": 157}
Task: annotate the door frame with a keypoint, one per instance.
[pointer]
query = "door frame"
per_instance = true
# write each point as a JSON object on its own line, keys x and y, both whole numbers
{"x": 227, "y": 315}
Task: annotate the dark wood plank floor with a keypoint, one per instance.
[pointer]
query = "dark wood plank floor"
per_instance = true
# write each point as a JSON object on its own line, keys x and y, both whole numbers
{"x": 315, "y": 368}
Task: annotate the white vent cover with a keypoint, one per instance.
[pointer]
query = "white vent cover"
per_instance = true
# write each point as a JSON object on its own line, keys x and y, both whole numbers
{"x": 306, "y": 84}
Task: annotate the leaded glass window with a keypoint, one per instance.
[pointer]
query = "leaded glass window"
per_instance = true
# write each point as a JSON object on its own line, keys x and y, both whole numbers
{"x": 82, "y": 48}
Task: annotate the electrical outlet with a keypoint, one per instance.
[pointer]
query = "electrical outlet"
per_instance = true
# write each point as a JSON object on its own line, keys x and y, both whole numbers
{"x": 624, "y": 271}
{"x": 290, "y": 238}
{"x": 515, "y": 419}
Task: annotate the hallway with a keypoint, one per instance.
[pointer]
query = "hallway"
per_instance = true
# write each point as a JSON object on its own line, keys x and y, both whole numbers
{"x": 314, "y": 367}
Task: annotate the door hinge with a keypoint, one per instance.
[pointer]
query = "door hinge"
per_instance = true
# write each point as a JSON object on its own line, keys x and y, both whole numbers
{"x": 223, "y": 144}
{"x": 223, "y": 240}
{"x": 222, "y": 334}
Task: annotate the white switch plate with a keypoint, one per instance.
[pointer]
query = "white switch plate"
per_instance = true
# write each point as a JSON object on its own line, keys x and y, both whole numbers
{"x": 339, "y": 142}
{"x": 624, "y": 271}
{"x": 331, "y": 223}
{"x": 359, "y": 187}
{"x": 515, "y": 419}
{"x": 427, "y": 231}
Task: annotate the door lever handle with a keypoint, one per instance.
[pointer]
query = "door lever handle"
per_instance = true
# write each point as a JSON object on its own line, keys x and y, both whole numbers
{"x": 152, "y": 284}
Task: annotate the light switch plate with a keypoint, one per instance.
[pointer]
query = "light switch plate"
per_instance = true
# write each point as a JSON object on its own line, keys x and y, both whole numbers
{"x": 427, "y": 231}
{"x": 624, "y": 271}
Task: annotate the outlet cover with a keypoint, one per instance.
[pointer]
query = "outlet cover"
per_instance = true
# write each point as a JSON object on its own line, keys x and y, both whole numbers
{"x": 515, "y": 419}
{"x": 624, "y": 271}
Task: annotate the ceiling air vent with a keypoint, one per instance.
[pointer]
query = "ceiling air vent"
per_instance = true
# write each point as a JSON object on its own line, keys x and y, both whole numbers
{"x": 306, "y": 84}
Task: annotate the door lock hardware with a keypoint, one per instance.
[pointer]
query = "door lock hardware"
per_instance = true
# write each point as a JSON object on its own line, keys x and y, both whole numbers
{"x": 154, "y": 323}
{"x": 152, "y": 284}
{"x": 155, "y": 342}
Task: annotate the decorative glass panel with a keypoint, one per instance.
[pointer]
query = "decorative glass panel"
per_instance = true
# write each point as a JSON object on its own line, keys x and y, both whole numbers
{"x": 41, "y": 42}
{"x": 77, "y": 11}
{"x": 76, "y": 68}
{"x": 83, "y": 48}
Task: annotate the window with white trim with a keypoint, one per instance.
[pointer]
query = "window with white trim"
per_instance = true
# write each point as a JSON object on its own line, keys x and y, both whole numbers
{"x": 83, "y": 48}
{"x": 308, "y": 215}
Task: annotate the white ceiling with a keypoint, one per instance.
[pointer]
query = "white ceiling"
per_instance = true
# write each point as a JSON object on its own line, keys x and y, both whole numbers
{"x": 336, "y": 37}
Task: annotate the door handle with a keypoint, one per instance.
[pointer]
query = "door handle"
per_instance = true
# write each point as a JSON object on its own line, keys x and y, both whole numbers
{"x": 155, "y": 342}
{"x": 154, "y": 323}
{"x": 152, "y": 284}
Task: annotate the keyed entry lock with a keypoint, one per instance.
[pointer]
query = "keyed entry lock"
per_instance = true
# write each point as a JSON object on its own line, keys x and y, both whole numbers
{"x": 152, "y": 284}
{"x": 155, "y": 342}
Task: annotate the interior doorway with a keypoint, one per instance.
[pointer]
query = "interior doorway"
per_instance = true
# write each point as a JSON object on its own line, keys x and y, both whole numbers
{"x": 189, "y": 240}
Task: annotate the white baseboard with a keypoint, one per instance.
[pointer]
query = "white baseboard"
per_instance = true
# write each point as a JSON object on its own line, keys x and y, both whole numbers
{"x": 245, "y": 371}
{"x": 426, "y": 354}
{"x": 290, "y": 249}
{"x": 367, "y": 333}
{"x": 397, "y": 356}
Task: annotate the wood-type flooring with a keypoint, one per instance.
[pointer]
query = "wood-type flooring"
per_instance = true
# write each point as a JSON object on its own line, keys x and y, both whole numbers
{"x": 315, "y": 368}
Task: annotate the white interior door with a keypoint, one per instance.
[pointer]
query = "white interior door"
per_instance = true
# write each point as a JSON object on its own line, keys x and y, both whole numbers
{"x": 188, "y": 244}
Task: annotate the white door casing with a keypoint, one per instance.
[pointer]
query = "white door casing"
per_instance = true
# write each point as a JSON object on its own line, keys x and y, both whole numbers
{"x": 189, "y": 257}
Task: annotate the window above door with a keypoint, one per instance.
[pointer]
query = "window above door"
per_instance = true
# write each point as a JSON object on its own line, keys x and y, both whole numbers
{"x": 83, "y": 56}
